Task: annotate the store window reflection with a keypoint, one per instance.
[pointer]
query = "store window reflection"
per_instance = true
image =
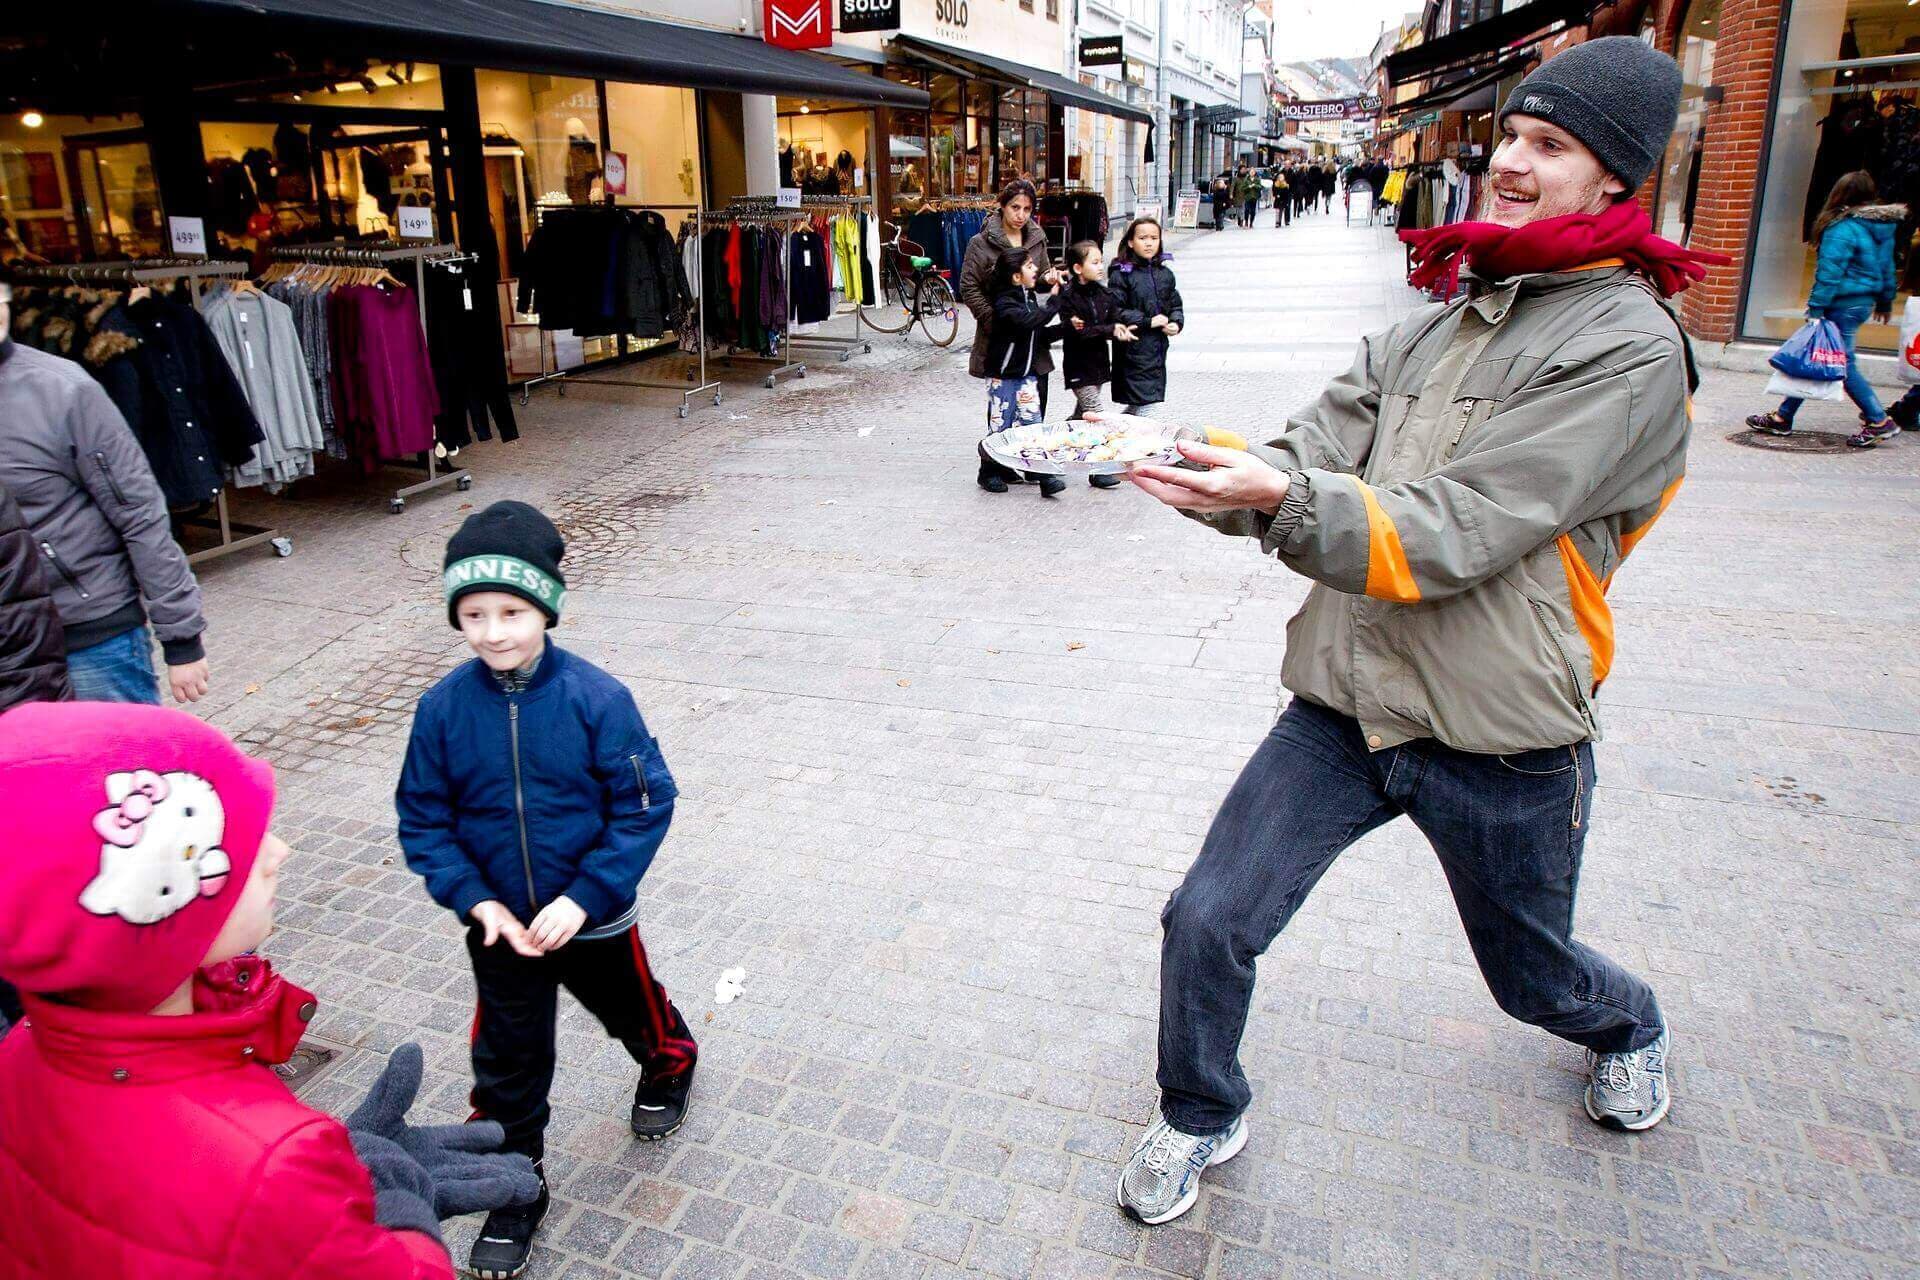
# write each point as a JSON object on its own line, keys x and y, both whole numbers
{"x": 76, "y": 187}
{"x": 1677, "y": 187}
{"x": 1849, "y": 76}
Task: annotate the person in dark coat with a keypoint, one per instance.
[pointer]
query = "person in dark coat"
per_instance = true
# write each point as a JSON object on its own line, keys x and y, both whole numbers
{"x": 1089, "y": 324}
{"x": 1012, "y": 228}
{"x": 1150, "y": 306}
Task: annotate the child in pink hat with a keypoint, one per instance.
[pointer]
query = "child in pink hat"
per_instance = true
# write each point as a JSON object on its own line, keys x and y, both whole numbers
{"x": 143, "y": 1132}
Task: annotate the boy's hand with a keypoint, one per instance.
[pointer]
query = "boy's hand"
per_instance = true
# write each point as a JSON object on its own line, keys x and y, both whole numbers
{"x": 502, "y": 923}
{"x": 1158, "y": 322}
{"x": 1172, "y": 328}
{"x": 1078, "y": 323}
{"x": 1124, "y": 333}
{"x": 556, "y": 924}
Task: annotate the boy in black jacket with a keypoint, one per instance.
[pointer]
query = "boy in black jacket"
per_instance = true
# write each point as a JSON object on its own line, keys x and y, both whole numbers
{"x": 1024, "y": 322}
{"x": 532, "y": 801}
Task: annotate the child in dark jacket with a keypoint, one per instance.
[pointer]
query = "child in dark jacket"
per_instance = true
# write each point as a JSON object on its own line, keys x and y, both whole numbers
{"x": 1150, "y": 304}
{"x": 532, "y": 801}
{"x": 1024, "y": 323}
{"x": 1090, "y": 321}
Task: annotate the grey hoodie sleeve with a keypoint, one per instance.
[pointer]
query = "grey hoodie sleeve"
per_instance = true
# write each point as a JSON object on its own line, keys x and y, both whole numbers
{"x": 121, "y": 484}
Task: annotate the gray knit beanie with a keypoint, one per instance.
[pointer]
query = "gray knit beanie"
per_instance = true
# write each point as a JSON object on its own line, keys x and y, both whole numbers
{"x": 1618, "y": 95}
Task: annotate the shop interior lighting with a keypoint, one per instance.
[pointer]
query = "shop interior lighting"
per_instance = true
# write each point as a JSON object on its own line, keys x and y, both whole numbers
{"x": 32, "y": 119}
{"x": 805, "y": 109}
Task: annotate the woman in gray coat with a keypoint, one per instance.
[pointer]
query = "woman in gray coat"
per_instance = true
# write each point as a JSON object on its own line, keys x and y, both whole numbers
{"x": 1012, "y": 228}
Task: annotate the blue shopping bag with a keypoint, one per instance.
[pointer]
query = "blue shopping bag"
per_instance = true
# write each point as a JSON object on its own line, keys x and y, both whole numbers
{"x": 1817, "y": 352}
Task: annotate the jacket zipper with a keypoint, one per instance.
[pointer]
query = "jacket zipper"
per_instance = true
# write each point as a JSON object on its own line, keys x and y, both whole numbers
{"x": 640, "y": 780}
{"x": 106, "y": 473}
{"x": 1579, "y": 784}
{"x": 520, "y": 804}
{"x": 1573, "y": 677}
{"x": 1466, "y": 413}
{"x": 61, "y": 567}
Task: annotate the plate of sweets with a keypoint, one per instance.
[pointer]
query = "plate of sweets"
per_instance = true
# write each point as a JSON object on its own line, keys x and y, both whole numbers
{"x": 1103, "y": 444}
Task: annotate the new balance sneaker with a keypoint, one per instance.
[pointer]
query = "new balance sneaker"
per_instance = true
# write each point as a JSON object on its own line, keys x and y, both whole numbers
{"x": 660, "y": 1107}
{"x": 1162, "y": 1180}
{"x": 1629, "y": 1090}
{"x": 506, "y": 1238}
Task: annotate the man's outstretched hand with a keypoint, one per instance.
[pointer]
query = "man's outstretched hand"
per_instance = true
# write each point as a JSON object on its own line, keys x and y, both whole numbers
{"x": 1234, "y": 481}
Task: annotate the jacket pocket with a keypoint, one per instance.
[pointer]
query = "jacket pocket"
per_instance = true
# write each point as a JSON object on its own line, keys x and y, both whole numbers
{"x": 106, "y": 474}
{"x": 65, "y": 571}
{"x": 1579, "y": 694}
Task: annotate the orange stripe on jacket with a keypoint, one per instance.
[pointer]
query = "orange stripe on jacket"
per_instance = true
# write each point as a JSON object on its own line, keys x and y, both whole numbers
{"x": 1631, "y": 539}
{"x": 1590, "y": 609}
{"x": 1389, "y": 576}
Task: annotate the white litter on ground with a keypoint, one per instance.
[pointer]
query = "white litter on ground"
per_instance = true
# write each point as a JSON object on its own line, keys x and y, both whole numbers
{"x": 730, "y": 987}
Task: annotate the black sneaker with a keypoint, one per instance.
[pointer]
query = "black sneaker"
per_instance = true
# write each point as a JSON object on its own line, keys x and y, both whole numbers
{"x": 506, "y": 1240}
{"x": 659, "y": 1108}
{"x": 1051, "y": 486}
{"x": 1104, "y": 482}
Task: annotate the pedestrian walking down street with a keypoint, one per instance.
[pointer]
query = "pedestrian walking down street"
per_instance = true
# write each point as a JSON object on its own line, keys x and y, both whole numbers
{"x": 100, "y": 522}
{"x": 1151, "y": 308}
{"x": 144, "y": 1134}
{"x": 1024, "y": 323}
{"x": 1444, "y": 663}
{"x": 1282, "y": 200}
{"x": 1012, "y": 228}
{"x": 1329, "y": 181}
{"x": 532, "y": 800}
{"x": 1853, "y": 282}
{"x": 1247, "y": 193}
{"x": 1222, "y": 194}
{"x": 1089, "y": 326}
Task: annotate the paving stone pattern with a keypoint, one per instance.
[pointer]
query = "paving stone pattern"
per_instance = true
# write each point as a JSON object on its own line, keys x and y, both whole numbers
{"x": 943, "y": 755}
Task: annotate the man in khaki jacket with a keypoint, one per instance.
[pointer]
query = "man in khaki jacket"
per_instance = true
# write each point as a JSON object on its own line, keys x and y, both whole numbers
{"x": 1461, "y": 497}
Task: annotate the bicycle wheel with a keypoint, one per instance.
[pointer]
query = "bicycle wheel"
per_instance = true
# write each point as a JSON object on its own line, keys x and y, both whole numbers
{"x": 939, "y": 313}
{"x": 892, "y": 311}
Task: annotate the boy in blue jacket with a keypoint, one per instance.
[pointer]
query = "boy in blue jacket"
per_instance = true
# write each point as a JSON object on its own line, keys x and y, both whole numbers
{"x": 532, "y": 801}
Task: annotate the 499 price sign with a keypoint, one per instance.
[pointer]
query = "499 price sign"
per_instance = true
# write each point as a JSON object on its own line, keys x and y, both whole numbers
{"x": 869, "y": 15}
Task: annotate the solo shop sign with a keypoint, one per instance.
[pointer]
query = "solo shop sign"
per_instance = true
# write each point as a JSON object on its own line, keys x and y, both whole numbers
{"x": 869, "y": 15}
{"x": 797, "y": 24}
{"x": 1102, "y": 51}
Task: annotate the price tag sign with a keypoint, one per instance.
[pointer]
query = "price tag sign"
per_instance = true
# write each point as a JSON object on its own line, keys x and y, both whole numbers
{"x": 859, "y": 176}
{"x": 789, "y": 198}
{"x": 615, "y": 169}
{"x": 188, "y": 236}
{"x": 415, "y": 223}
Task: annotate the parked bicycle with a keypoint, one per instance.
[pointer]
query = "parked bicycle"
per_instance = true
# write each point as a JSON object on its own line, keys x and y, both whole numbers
{"x": 912, "y": 288}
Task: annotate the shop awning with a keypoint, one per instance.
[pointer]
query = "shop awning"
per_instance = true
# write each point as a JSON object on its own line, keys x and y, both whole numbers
{"x": 559, "y": 39}
{"x": 1482, "y": 39}
{"x": 1464, "y": 94}
{"x": 1063, "y": 89}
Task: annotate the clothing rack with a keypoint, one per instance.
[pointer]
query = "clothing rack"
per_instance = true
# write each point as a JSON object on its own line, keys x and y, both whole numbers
{"x": 829, "y": 205}
{"x": 380, "y": 254}
{"x": 561, "y": 377}
{"x": 234, "y": 535}
{"x": 757, "y": 209}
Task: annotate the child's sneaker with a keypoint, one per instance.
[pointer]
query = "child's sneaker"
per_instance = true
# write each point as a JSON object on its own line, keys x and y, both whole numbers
{"x": 506, "y": 1240}
{"x": 1869, "y": 436}
{"x": 660, "y": 1108}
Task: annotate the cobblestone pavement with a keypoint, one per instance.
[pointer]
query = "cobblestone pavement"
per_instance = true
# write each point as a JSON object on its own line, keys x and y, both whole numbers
{"x": 943, "y": 755}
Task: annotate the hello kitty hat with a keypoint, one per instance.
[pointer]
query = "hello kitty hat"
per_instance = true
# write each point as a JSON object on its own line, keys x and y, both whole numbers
{"x": 131, "y": 830}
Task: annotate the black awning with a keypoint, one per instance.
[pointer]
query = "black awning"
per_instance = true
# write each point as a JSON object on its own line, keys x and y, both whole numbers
{"x": 1484, "y": 78}
{"x": 1071, "y": 92}
{"x": 557, "y": 39}
{"x": 1482, "y": 39}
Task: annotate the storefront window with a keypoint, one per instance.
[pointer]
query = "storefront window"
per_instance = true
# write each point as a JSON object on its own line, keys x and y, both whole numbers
{"x": 73, "y": 187}
{"x": 1828, "y": 123}
{"x": 908, "y": 146}
{"x": 823, "y": 150}
{"x": 267, "y": 181}
{"x": 555, "y": 120}
{"x": 1678, "y": 179}
{"x": 655, "y": 135}
{"x": 947, "y": 162}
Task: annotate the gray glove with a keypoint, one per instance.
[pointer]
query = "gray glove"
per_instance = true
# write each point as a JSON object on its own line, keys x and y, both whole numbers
{"x": 402, "y": 1191}
{"x": 462, "y": 1167}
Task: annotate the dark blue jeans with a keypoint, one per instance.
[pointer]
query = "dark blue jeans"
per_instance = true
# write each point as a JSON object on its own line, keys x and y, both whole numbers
{"x": 118, "y": 669}
{"x": 1508, "y": 830}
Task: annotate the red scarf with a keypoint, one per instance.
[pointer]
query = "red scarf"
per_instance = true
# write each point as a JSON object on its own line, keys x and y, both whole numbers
{"x": 1558, "y": 244}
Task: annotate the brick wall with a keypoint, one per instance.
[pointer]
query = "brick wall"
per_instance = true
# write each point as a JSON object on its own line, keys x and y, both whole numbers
{"x": 1743, "y": 62}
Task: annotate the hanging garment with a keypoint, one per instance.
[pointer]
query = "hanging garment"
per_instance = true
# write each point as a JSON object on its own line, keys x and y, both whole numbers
{"x": 808, "y": 283}
{"x": 383, "y": 380}
{"x": 652, "y": 283}
{"x": 308, "y": 305}
{"x": 716, "y": 292}
{"x": 753, "y": 334}
{"x": 176, "y": 390}
{"x": 256, "y": 334}
{"x": 773, "y": 284}
{"x": 846, "y": 252}
{"x": 462, "y": 347}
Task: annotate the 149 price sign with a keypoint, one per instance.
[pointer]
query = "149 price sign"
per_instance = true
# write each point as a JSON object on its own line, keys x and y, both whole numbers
{"x": 870, "y": 15}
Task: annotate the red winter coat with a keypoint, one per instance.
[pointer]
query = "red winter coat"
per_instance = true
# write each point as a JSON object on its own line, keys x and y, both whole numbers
{"x": 137, "y": 1147}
